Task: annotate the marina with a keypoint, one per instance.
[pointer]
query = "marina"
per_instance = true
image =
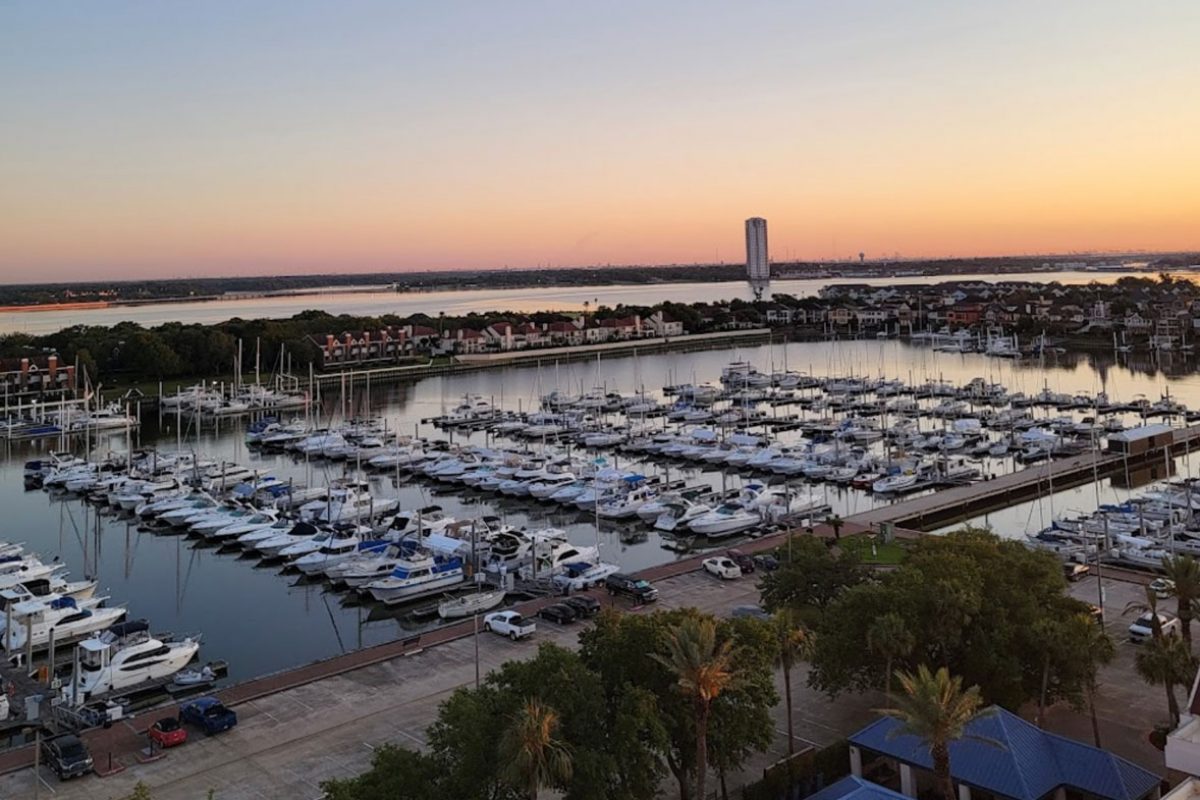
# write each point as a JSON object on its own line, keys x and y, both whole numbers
{"x": 346, "y": 527}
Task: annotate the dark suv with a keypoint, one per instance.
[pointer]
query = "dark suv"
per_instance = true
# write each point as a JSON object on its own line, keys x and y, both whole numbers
{"x": 638, "y": 589}
{"x": 67, "y": 756}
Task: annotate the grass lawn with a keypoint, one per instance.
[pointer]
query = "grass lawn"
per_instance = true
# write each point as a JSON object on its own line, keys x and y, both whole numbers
{"x": 889, "y": 553}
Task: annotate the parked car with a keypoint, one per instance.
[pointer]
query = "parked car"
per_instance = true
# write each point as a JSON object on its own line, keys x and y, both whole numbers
{"x": 766, "y": 562}
{"x": 1142, "y": 628}
{"x": 638, "y": 589}
{"x": 744, "y": 561}
{"x": 722, "y": 567}
{"x": 1162, "y": 588}
{"x": 67, "y": 756}
{"x": 168, "y": 732}
{"x": 1075, "y": 572}
{"x": 558, "y": 613}
{"x": 757, "y": 612}
{"x": 510, "y": 624}
{"x": 584, "y": 605}
{"x": 208, "y": 714}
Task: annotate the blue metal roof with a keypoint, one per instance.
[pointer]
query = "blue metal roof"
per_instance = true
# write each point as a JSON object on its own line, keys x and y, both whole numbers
{"x": 1008, "y": 756}
{"x": 852, "y": 788}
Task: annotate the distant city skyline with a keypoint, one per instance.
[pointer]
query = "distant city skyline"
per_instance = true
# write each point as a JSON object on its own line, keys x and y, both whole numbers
{"x": 150, "y": 140}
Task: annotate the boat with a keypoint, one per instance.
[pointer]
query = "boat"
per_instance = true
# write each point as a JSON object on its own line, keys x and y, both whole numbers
{"x": 680, "y": 514}
{"x": 335, "y": 551}
{"x": 68, "y": 618}
{"x": 732, "y": 516}
{"x": 125, "y": 656}
{"x": 581, "y": 575}
{"x": 416, "y": 576}
{"x": 469, "y": 605}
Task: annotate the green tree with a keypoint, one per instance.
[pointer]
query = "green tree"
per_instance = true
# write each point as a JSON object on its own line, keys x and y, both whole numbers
{"x": 935, "y": 708}
{"x": 703, "y": 668}
{"x": 531, "y": 753}
{"x": 1166, "y": 661}
{"x": 809, "y": 578}
{"x": 836, "y": 522}
{"x": 395, "y": 774}
{"x": 976, "y": 601}
{"x": 1184, "y": 572}
{"x": 626, "y": 652}
{"x": 793, "y": 641}
{"x": 1097, "y": 649}
{"x": 889, "y": 638}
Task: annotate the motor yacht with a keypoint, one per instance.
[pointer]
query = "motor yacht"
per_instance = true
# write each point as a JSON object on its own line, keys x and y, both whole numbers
{"x": 125, "y": 656}
{"x": 416, "y": 576}
{"x": 70, "y": 619}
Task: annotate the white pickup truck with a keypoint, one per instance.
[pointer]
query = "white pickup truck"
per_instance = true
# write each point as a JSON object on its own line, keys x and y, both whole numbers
{"x": 510, "y": 624}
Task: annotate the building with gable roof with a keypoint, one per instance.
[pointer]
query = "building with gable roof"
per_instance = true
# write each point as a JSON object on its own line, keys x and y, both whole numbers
{"x": 1003, "y": 757}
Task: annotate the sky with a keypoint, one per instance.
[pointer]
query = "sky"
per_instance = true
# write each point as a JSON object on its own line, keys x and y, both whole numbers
{"x": 152, "y": 139}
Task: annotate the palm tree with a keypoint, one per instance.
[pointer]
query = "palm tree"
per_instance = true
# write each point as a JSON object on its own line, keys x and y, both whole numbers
{"x": 1184, "y": 572}
{"x": 1149, "y": 607}
{"x": 703, "y": 668}
{"x": 936, "y": 709}
{"x": 1166, "y": 661}
{"x": 794, "y": 642}
{"x": 835, "y": 522}
{"x": 890, "y": 638}
{"x": 532, "y": 753}
{"x": 1097, "y": 650}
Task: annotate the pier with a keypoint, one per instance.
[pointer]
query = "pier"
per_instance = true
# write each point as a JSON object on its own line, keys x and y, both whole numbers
{"x": 961, "y": 503}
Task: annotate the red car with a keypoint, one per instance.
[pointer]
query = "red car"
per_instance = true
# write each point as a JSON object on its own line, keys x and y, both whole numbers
{"x": 168, "y": 732}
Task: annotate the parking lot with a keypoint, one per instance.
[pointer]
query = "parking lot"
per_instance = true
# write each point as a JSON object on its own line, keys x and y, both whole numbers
{"x": 287, "y": 743}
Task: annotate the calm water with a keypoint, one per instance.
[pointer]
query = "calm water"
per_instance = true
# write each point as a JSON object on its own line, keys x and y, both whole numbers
{"x": 569, "y": 298}
{"x": 262, "y": 620}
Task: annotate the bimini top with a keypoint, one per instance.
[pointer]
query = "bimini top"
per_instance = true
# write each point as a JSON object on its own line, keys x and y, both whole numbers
{"x": 1012, "y": 758}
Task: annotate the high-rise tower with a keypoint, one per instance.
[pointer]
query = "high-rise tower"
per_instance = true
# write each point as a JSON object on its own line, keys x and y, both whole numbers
{"x": 758, "y": 265}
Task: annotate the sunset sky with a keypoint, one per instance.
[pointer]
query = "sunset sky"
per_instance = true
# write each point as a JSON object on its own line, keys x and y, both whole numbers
{"x": 154, "y": 139}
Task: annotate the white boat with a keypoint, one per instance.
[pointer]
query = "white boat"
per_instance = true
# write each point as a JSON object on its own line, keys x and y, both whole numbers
{"x": 680, "y": 514}
{"x": 581, "y": 575}
{"x": 896, "y": 483}
{"x": 352, "y": 505}
{"x": 416, "y": 576}
{"x": 24, "y": 570}
{"x": 257, "y": 521}
{"x": 178, "y": 517}
{"x": 70, "y": 619}
{"x": 626, "y": 505}
{"x": 365, "y": 567}
{"x": 125, "y": 656}
{"x": 725, "y": 520}
{"x": 281, "y": 534}
{"x": 469, "y": 605}
{"x": 552, "y": 559}
{"x": 291, "y": 552}
{"x": 334, "y": 552}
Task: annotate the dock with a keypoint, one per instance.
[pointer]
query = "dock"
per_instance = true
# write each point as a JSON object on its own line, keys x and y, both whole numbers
{"x": 961, "y": 503}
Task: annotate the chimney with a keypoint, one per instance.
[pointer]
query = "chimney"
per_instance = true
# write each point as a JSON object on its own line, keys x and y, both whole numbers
{"x": 24, "y": 372}
{"x": 52, "y": 368}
